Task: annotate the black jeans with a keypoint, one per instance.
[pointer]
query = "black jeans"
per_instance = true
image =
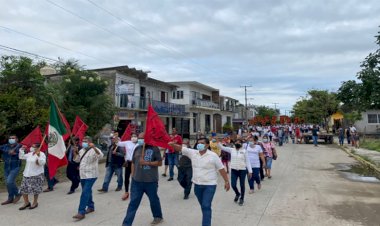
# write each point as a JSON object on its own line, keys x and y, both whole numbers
{"x": 127, "y": 174}
{"x": 241, "y": 174}
{"x": 185, "y": 174}
{"x": 262, "y": 175}
{"x": 72, "y": 172}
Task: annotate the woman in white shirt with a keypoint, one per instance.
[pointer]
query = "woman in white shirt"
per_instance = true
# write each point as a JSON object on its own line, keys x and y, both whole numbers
{"x": 33, "y": 179}
{"x": 239, "y": 165}
{"x": 255, "y": 153}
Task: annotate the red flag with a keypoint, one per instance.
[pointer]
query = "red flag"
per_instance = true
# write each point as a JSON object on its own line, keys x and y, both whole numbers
{"x": 155, "y": 133}
{"x": 131, "y": 128}
{"x": 79, "y": 128}
{"x": 34, "y": 137}
{"x": 67, "y": 126}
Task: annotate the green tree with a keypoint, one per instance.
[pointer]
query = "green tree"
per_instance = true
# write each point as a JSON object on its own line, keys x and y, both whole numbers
{"x": 263, "y": 111}
{"x": 364, "y": 94}
{"x": 83, "y": 93}
{"x": 23, "y": 96}
{"x": 317, "y": 106}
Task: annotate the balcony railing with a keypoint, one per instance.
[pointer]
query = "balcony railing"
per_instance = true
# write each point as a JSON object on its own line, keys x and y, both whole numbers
{"x": 141, "y": 103}
{"x": 205, "y": 103}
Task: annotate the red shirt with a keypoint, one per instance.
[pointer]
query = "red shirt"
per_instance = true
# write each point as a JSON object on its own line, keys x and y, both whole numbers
{"x": 176, "y": 139}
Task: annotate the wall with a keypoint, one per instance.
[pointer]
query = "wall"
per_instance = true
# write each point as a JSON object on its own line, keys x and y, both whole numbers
{"x": 369, "y": 128}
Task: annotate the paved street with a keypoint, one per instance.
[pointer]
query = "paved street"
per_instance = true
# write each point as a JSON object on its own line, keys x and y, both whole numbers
{"x": 305, "y": 189}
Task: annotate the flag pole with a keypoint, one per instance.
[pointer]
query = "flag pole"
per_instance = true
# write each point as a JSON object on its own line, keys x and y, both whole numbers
{"x": 143, "y": 150}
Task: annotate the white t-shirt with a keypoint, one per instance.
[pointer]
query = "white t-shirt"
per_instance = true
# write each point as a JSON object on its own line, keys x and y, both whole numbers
{"x": 205, "y": 167}
{"x": 253, "y": 154}
{"x": 31, "y": 167}
{"x": 129, "y": 149}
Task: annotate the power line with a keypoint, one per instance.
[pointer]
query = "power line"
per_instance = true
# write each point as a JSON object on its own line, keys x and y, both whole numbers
{"x": 52, "y": 43}
{"x": 100, "y": 27}
{"x": 10, "y": 49}
{"x": 134, "y": 28}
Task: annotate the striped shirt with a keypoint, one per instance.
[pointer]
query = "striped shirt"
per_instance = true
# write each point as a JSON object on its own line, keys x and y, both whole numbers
{"x": 88, "y": 167}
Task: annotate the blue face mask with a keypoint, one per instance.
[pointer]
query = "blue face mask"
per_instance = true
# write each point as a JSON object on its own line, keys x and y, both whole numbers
{"x": 12, "y": 141}
{"x": 250, "y": 142}
{"x": 85, "y": 145}
{"x": 140, "y": 141}
{"x": 200, "y": 147}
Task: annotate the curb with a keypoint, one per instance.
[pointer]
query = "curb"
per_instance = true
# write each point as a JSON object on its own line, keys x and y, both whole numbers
{"x": 362, "y": 160}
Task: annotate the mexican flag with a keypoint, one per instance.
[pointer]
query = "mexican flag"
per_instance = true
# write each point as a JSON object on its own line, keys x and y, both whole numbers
{"x": 57, "y": 147}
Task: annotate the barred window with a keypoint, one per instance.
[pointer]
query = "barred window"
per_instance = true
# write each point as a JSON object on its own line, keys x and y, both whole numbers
{"x": 373, "y": 118}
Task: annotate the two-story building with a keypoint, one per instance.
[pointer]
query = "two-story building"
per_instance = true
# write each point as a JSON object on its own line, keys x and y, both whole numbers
{"x": 207, "y": 109}
{"x": 133, "y": 90}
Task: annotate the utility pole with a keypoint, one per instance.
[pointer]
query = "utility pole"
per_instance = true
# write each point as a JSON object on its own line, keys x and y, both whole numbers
{"x": 246, "y": 106}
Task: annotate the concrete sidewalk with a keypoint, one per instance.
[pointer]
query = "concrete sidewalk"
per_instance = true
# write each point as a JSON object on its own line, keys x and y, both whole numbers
{"x": 306, "y": 189}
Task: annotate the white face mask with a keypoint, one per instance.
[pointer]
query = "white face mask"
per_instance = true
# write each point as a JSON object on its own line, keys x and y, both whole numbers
{"x": 32, "y": 149}
{"x": 134, "y": 139}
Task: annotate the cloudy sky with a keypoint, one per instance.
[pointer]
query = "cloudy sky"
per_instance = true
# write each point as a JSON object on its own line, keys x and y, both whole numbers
{"x": 280, "y": 48}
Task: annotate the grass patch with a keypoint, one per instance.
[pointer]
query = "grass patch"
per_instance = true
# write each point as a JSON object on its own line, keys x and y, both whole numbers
{"x": 371, "y": 144}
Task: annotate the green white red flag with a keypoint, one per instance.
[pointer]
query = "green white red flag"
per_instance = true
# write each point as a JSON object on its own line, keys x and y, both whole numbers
{"x": 57, "y": 147}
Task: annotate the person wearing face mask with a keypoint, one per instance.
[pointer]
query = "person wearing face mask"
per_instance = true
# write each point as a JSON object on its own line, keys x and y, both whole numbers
{"x": 270, "y": 153}
{"x": 239, "y": 165}
{"x": 88, "y": 159}
{"x": 12, "y": 165}
{"x": 255, "y": 153}
{"x": 114, "y": 165}
{"x": 144, "y": 180}
{"x": 33, "y": 179}
{"x": 206, "y": 164}
{"x": 129, "y": 146}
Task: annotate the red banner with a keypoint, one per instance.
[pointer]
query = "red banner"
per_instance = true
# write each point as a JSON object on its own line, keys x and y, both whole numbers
{"x": 155, "y": 133}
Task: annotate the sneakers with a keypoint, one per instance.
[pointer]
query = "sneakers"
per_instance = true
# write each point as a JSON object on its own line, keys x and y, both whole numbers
{"x": 186, "y": 197}
{"x": 251, "y": 191}
{"x": 170, "y": 179}
{"x": 70, "y": 192}
{"x": 157, "y": 221}
{"x": 236, "y": 198}
{"x": 164, "y": 174}
{"x": 102, "y": 190}
{"x": 118, "y": 189}
{"x": 241, "y": 202}
{"x": 125, "y": 196}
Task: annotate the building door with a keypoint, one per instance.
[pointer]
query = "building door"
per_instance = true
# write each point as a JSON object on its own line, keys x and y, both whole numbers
{"x": 142, "y": 97}
{"x": 207, "y": 123}
{"x": 217, "y": 123}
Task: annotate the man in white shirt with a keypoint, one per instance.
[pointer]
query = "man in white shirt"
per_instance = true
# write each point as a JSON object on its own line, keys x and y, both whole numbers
{"x": 87, "y": 158}
{"x": 205, "y": 164}
{"x": 129, "y": 146}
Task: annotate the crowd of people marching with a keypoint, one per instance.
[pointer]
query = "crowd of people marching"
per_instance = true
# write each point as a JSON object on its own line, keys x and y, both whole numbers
{"x": 244, "y": 156}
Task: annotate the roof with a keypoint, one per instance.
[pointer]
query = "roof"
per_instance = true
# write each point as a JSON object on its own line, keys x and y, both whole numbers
{"x": 194, "y": 83}
{"x": 124, "y": 69}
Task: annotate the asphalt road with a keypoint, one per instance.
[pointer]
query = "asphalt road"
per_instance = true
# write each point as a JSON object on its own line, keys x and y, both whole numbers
{"x": 306, "y": 189}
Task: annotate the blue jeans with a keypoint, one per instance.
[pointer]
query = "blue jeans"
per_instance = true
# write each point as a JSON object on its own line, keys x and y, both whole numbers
{"x": 86, "y": 196}
{"x": 10, "y": 177}
{"x": 137, "y": 191}
{"x": 315, "y": 140}
{"x": 241, "y": 174}
{"x": 173, "y": 161}
{"x": 110, "y": 170}
{"x": 205, "y": 194}
{"x": 255, "y": 177}
{"x": 341, "y": 140}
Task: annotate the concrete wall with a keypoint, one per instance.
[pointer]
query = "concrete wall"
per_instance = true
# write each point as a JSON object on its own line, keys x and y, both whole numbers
{"x": 368, "y": 128}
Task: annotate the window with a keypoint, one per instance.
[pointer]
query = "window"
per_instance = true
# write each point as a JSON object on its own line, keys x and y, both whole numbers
{"x": 373, "y": 118}
{"x": 177, "y": 94}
